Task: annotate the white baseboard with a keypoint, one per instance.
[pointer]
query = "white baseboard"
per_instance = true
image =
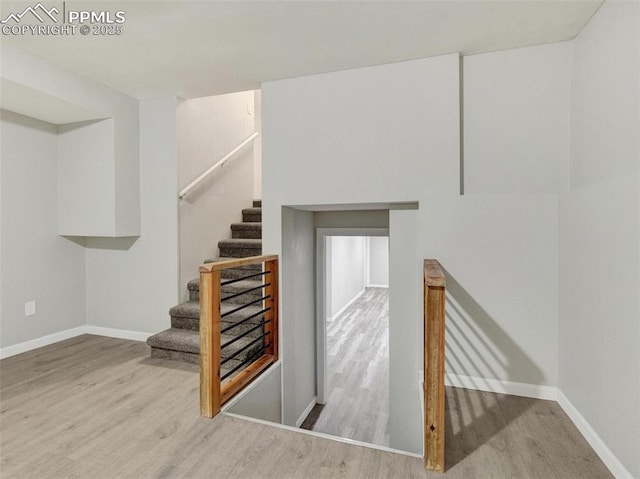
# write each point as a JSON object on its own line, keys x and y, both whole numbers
{"x": 377, "y": 286}
{"x": 598, "y": 445}
{"x": 117, "y": 333}
{"x": 343, "y": 309}
{"x": 502, "y": 387}
{"x": 306, "y": 412}
{"x": 26, "y": 346}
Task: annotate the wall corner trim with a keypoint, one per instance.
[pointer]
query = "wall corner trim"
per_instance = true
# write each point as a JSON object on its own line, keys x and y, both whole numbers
{"x": 594, "y": 440}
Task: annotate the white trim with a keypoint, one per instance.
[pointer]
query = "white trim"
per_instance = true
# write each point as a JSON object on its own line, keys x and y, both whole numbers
{"x": 306, "y": 412}
{"x": 377, "y": 286}
{"x": 502, "y": 387}
{"x": 117, "y": 333}
{"x": 343, "y": 440}
{"x": 344, "y": 308}
{"x": 598, "y": 445}
{"x": 26, "y": 346}
{"x": 40, "y": 342}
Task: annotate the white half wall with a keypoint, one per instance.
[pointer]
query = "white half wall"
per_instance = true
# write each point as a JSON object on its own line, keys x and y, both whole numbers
{"x": 208, "y": 129}
{"x": 37, "y": 264}
{"x": 132, "y": 282}
{"x": 599, "y": 335}
{"x": 345, "y": 271}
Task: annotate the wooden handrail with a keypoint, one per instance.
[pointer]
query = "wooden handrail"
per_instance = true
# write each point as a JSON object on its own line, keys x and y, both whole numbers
{"x": 235, "y": 263}
{"x": 434, "y": 349}
{"x": 214, "y": 393}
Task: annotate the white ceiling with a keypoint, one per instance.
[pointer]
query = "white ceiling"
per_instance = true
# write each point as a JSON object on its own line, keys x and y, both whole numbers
{"x": 201, "y": 48}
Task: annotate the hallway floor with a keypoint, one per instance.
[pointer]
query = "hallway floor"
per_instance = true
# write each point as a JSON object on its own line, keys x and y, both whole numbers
{"x": 357, "y": 404}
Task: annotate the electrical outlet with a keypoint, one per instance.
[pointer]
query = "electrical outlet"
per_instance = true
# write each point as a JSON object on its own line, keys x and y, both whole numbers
{"x": 29, "y": 308}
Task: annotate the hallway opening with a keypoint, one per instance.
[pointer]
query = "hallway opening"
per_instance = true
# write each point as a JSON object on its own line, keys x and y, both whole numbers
{"x": 353, "y": 340}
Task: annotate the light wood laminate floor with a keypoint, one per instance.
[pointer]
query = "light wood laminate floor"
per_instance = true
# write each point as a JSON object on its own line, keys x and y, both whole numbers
{"x": 357, "y": 405}
{"x": 93, "y": 407}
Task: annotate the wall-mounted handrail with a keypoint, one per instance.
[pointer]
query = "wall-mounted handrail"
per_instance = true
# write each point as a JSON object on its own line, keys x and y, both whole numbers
{"x": 217, "y": 388}
{"x": 219, "y": 164}
{"x": 434, "y": 349}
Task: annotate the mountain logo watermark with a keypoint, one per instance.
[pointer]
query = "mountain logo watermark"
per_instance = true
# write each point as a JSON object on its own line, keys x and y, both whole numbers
{"x": 39, "y": 11}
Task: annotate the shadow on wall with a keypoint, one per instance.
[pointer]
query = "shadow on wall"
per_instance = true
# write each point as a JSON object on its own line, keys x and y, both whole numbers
{"x": 120, "y": 243}
{"x": 478, "y": 347}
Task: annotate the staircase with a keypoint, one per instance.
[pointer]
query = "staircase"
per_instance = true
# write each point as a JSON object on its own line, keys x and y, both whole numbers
{"x": 182, "y": 341}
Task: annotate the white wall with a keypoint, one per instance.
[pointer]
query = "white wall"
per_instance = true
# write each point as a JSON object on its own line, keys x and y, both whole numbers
{"x": 516, "y": 120}
{"x": 265, "y": 399}
{"x": 119, "y": 203}
{"x": 257, "y": 145}
{"x": 85, "y": 162}
{"x": 208, "y": 129}
{"x": 378, "y": 261}
{"x": 298, "y": 335}
{"x": 132, "y": 282}
{"x": 391, "y": 133}
{"x": 345, "y": 271}
{"x": 500, "y": 254}
{"x": 37, "y": 264}
{"x": 385, "y": 133}
{"x": 599, "y": 369}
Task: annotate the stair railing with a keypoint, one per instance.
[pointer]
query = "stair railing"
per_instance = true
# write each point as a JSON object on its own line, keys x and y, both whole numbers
{"x": 434, "y": 349}
{"x": 185, "y": 191}
{"x": 217, "y": 389}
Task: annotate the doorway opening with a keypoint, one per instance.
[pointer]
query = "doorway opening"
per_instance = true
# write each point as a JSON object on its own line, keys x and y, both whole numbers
{"x": 353, "y": 336}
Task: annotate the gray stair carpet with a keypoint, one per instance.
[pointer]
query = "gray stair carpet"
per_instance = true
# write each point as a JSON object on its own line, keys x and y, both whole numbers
{"x": 182, "y": 341}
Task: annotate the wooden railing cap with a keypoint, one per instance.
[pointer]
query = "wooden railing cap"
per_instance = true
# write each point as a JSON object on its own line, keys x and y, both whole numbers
{"x": 234, "y": 263}
{"x": 433, "y": 275}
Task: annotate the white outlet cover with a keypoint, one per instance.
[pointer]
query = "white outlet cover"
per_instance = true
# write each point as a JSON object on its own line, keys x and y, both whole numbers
{"x": 29, "y": 308}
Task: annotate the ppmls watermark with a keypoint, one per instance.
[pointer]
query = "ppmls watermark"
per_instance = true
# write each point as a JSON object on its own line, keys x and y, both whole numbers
{"x": 63, "y": 21}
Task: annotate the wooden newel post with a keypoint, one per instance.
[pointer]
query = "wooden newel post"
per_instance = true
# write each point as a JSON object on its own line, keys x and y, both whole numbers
{"x": 434, "y": 349}
{"x": 210, "y": 397}
{"x": 272, "y": 303}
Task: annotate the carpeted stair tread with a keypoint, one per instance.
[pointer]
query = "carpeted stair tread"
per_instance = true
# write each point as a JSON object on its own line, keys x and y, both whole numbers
{"x": 191, "y": 309}
{"x": 257, "y": 203}
{"x": 240, "y": 248}
{"x": 194, "y": 290}
{"x": 246, "y": 230}
{"x": 187, "y": 341}
{"x": 252, "y": 215}
{"x": 240, "y": 243}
